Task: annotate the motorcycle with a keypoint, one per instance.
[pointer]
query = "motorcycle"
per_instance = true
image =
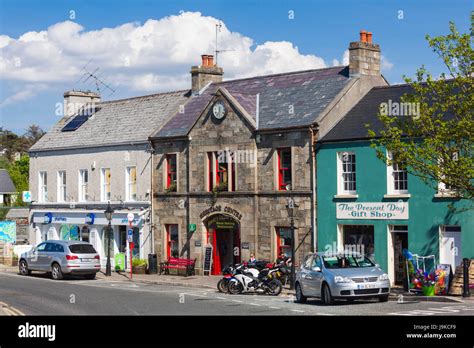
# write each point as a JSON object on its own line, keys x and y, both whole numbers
{"x": 228, "y": 272}
{"x": 250, "y": 279}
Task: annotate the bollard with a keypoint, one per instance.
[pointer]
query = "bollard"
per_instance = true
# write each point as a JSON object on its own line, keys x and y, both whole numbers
{"x": 465, "y": 265}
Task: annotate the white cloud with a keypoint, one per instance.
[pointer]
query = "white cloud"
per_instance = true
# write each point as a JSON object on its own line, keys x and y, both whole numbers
{"x": 154, "y": 56}
{"x": 27, "y": 92}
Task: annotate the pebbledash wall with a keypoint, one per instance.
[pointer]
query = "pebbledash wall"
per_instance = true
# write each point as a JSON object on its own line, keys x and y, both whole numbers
{"x": 428, "y": 213}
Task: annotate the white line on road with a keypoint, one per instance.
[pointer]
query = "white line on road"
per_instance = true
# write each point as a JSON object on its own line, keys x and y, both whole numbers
{"x": 255, "y": 304}
{"x": 297, "y": 310}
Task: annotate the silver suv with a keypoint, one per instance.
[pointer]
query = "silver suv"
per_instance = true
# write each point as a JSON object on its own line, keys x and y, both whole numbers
{"x": 61, "y": 257}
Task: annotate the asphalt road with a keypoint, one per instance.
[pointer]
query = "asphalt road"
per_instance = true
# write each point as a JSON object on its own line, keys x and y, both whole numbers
{"x": 39, "y": 295}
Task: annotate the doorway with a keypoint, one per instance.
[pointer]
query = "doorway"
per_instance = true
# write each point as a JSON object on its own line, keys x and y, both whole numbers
{"x": 223, "y": 233}
{"x": 397, "y": 241}
{"x": 450, "y": 246}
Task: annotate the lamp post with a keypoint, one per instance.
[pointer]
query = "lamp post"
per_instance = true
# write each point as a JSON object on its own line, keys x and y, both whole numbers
{"x": 291, "y": 208}
{"x": 108, "y": 215}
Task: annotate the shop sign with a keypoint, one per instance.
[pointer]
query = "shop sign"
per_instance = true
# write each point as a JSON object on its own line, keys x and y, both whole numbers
{"x": 245, "y": 245}
{"x": 48, "y": 218}
{"x": 372, "y": 211}
{"x": 90, "y": 218}
{"x": 218, "y": 208}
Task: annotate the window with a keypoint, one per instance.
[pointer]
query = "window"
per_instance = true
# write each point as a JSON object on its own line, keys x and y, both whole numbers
{"x": 82, "y": 249}
{"x": 284, "y": 168}
{"x": 43, "y": 187}
{"x": 444, "y": 188}
{"x": 283, "y": 241}
{"x": 83, "y": 185}
{"x": 172, "y": 240}
{"x": 62, "y": 194}
{"x": 346, "y": 173}
{"x": 131, "y": 179}
{"x": 219, "y": 174}
{"x": 105, "y": 184}
{"x": 171, "y": 172}
{"x": 397, "y": 177}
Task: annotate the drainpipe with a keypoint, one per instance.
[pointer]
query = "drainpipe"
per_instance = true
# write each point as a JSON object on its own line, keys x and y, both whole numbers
{"x": 314, "y": 235}
{"x": 152, "y": 151}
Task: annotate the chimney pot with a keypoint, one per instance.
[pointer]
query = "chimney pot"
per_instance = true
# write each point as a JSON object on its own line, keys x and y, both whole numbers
{"x": 210, "y": 60}
{"x": 369, "y": 37}
{"x": 363, "y": 36}
{"x": 204, "y": 60}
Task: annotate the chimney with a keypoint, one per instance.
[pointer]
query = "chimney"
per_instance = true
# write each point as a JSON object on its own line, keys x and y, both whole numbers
{"x": 364, "y": 56}
{"x": 205, "y": 73}
{"x": 74, "y": 100}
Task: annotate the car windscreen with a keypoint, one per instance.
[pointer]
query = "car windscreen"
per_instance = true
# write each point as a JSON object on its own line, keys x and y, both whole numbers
{"x": 82, "y": 249}
{"x": 346, "y": 261}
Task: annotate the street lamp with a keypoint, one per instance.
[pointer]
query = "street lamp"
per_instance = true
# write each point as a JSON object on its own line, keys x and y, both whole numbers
{"x": 108, "y": 215}
{"x": 292, "y": 208}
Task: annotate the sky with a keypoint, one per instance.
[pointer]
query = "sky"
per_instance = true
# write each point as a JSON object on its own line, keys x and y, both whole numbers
{"x": 143, "y": 47}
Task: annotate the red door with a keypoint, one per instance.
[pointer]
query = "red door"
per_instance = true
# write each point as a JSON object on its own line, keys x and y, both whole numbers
{"x": 216, "y": 263}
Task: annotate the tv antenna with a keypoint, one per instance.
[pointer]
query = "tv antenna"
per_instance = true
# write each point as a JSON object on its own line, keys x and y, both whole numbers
{"x": 96, "y": 78}
{"x": 218, "y": 30}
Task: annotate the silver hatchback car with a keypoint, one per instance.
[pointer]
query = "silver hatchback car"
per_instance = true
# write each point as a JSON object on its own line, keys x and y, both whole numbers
{"x": 61, "y": 257}
{"x": 340, "y": 276}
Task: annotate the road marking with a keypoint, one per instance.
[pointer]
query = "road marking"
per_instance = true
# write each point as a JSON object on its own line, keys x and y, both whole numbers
{"x": 237, "y": 301}
{"x": 12, "y": 311}
{"x": 297, "y": 310}
{"x": 255, "y": 304}
{"x": 272, "y": 307}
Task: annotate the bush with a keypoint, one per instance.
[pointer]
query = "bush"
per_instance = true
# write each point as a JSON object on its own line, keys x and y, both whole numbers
{"x": 136, "y": 262}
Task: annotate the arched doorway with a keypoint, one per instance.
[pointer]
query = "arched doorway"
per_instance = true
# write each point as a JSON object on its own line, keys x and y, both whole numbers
{"x": 223, "y": 233}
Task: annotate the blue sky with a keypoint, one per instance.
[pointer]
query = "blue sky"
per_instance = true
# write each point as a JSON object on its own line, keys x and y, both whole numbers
{"x": 263, "y": 36}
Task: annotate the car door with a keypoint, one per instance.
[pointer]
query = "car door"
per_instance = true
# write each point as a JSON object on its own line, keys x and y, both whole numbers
{"x": 317, "y": 276}
{"x": 35, "y": 260}
{"x": 307, "y": 279}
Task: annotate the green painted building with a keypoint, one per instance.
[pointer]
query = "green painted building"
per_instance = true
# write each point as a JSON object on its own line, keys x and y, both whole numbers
{"x": 379, "y": 209}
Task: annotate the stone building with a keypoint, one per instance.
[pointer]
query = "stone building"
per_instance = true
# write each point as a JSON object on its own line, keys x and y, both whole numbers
{"x": 227, "y": 162}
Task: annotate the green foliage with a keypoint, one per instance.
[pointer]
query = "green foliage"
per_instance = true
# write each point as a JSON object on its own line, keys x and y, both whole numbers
{"x": 136, "y": 262}
{"x": 437, "y": 144}
{"x": 19, "y": 173}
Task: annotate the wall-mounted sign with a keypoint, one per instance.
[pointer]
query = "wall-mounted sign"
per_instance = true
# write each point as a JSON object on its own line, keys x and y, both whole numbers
{"x": 90, "y": 218}
{"x": 26, "y": 196}
{"x": 245, "y": 245}
{"x": 218, "y": 208}
{"x": 372, "y": 211}
{"x": 197, "y": 243}
{"x": 192, "y": 228}
{"x": 48, "y": 218}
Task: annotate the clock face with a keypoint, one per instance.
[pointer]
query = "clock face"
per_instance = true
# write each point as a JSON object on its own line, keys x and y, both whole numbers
{"x": 218, "y": 110}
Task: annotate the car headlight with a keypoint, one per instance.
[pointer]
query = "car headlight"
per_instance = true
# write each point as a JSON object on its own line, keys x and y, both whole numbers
{"x": 339, "y": 279}
{"x": 383, "y": 277}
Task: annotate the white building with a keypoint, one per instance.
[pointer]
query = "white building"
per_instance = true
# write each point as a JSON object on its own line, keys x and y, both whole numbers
{"x": 98, "y": 152}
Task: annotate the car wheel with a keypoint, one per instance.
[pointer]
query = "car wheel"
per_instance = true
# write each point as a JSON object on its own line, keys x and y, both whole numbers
{"x": 56, "y": 272}
{"x": 90, "y": 276}
{"x": 23, "y": 268}
{"x": 300, "y": 298}
{"x": 383, "y": 298}
{"x": 326, "y": 295}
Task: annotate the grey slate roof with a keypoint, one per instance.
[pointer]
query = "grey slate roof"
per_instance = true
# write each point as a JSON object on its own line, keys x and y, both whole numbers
{"x": 6, "y": 183}
{"x": 353, "y": 125}
{"x": 17, "y": 213}
{"x": 308, "y": 92}
{"x": 117, "y": 121}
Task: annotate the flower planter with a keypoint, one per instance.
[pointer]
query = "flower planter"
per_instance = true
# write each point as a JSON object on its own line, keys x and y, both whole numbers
{"x": 139, "y": 269}
{"x": 429, "y": 290}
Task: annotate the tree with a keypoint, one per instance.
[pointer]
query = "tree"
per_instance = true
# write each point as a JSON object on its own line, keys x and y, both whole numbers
{"x": 19, "y": 173}
{"x": 437, "y": 145}
{"x": 33, "y": 134}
